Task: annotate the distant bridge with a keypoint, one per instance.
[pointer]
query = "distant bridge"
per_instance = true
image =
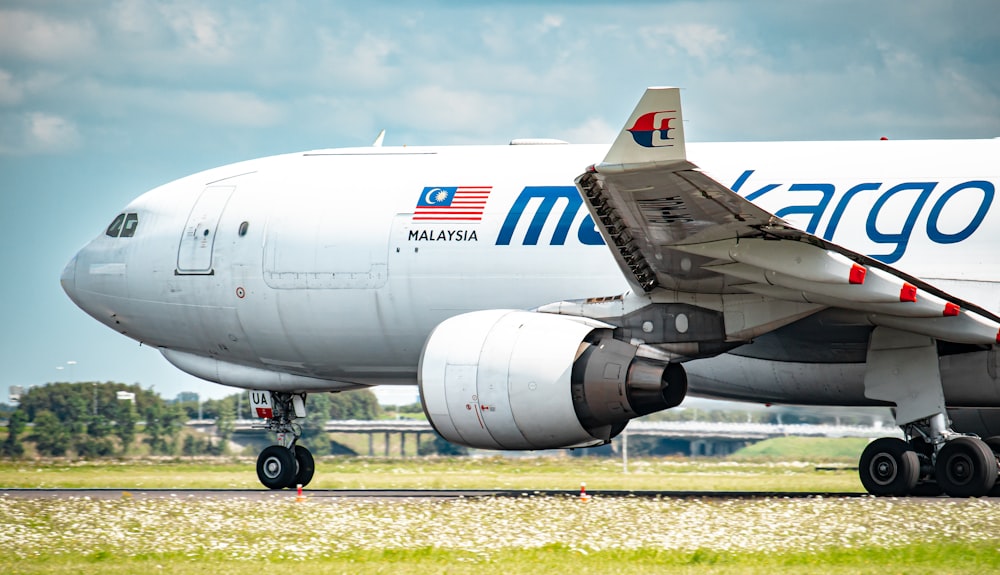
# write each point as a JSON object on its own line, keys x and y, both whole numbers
{"x": 706, "y": 438}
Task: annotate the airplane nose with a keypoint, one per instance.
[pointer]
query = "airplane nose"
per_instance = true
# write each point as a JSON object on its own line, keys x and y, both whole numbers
{"x": 68, "y": 278}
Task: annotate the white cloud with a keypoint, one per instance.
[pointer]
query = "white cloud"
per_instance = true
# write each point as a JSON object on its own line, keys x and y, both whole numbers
{"x": 699, "y": 40}
{"x": 356, "y": 62}
{"x": 482, "y": 74}
{"x": 465, "y": 112}
{"x": 199, "y": 29}
{"x": 896, "y": 59}
{"x": 37, "y": 37}
{"x": 51, "y": 133}
{"x": 183, "y": 107}
{"x": 37, "y": 133}
{"x": 592, "y": 131}
{"x": 133, "y": 17}
{"x": 10, "y": 92}
{"x": 224, "y": 108}
{"x": 551, "y": 22}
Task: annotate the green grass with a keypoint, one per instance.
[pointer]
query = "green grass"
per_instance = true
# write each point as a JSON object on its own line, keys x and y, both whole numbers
{"x": 807, "y": 448}
{"x": 515, "y": 535}
{"x": 917, "y": 559}
{"x": 444, "y": 473}
{"x": 537, "y": 535}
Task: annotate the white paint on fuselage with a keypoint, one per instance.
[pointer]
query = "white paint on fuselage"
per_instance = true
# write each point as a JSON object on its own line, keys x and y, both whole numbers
{"x": 328, "y": 281}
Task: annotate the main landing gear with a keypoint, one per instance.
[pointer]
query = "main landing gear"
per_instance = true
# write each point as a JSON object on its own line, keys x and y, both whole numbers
{"x": 903, "y": 368}
{"x": 930, "y": 464}
{"x": 286, "y": 464}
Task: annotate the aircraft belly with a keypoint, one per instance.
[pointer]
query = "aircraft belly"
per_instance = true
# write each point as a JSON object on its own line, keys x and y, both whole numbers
{"x": 204, "y": 329}
{"x": 741, "y": 378}
{"x": 969, "y": 380}
{"x": 343, "y": 334}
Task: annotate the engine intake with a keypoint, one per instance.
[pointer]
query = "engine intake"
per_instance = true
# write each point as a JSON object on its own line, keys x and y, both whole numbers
{"x": 504, "y": 379}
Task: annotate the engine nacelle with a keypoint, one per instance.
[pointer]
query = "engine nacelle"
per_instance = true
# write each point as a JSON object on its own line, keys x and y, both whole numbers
{"x": 506, "y": 379}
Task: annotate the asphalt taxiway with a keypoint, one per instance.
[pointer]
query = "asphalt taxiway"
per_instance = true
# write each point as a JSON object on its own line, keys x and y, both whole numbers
{"x": 393, "y": 494}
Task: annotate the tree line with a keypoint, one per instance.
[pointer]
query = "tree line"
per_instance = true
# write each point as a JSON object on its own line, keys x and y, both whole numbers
{"x": 87, "y": 419}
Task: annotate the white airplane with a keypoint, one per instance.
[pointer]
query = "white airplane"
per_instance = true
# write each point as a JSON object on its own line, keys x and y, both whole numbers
{"x": 535, "y": 314}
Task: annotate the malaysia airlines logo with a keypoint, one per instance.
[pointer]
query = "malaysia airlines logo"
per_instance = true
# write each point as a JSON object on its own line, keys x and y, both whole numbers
{"x": 452, "y": 204}
{"x": 652, "y": 130}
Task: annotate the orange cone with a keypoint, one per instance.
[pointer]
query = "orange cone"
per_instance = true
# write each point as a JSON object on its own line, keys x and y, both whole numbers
{"x": 583, "y": 492}
{"x": 299, "y": 497}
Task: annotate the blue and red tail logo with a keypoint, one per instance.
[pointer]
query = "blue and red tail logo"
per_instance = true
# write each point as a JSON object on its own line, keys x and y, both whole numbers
{"x": 652, "y": 130}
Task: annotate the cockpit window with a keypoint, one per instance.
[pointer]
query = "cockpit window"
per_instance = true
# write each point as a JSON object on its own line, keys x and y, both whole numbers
{"x": 131, "y": 222}
{"x": 116, "y": 226}
{"x": 123, "y": 226}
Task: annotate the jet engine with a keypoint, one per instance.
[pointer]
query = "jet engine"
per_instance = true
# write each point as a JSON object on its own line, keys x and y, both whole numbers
{"x": 506, "y": 379}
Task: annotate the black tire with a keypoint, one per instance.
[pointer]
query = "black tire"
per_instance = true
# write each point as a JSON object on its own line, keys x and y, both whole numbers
{"x": 889, "y": 467}
{"x": 276, "y": 467}
{"x": 966, "y": 467}
{"x": 305, "y": 467}
{"x": 994, "y": 444}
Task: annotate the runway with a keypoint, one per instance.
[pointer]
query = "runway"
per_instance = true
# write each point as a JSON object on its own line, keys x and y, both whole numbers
{"x": 400, "y": 494}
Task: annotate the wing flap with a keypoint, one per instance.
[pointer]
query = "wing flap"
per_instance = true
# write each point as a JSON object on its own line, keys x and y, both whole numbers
{"x": 674, "y": 229}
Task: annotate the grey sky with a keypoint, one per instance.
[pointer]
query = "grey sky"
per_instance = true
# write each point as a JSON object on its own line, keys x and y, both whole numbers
{"x": 100, "y": 101}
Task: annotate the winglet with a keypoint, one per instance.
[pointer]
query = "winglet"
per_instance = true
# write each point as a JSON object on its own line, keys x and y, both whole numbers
{"x": 653, "y": 135}
{"x": 378, "y": 140}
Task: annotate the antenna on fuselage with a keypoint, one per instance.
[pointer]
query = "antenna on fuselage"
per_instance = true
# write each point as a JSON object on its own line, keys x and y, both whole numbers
{"x": 378, "y": 140}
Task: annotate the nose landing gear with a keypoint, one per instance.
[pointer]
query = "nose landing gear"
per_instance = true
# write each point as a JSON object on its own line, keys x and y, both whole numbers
{"x": 279, "y": 467}
{"x": 286, "y": 464}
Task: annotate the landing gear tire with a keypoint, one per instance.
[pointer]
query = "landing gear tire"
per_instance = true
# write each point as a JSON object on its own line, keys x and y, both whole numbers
{"x": 305, "y": 467}
{"x": 994, "y": 444}
{"x": 966, "y": 467}
{"x": 889, "y": 467}
{"x": 276, "y": 467}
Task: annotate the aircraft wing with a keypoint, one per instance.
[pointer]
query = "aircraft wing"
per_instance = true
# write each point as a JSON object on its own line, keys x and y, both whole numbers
{"x": 673, "y": 228}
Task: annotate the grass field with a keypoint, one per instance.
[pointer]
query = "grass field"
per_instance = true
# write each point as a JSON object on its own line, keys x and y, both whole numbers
{"x": 782, "y": 464}
{"x": 529, "y": 534}
{"x": 433, "y": 473}
{"x": 515, "y": 535}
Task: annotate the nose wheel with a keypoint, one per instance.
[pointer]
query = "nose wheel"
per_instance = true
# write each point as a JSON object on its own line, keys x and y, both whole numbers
{"x": 279, "y": 467}
{"x": 276, "y": 467}
{"x": 305, "y": 466}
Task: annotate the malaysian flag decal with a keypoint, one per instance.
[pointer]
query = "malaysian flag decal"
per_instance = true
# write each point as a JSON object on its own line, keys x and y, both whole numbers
{"x": 451, "y": 204}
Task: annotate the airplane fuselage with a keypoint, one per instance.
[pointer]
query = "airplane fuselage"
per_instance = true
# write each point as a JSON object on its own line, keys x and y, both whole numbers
{"x": 332, "y": 267}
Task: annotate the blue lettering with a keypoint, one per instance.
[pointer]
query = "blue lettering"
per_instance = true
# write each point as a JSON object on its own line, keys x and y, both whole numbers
{"x": 587, "y": 234}
{"x": 936, "y": 235}
{"x": 741, "y": 180}
{"x": 902, "y": 238}
{"x": 816, "y": 211}
{"x": 752, "y": 195}
{"x": 838, "y": 212}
